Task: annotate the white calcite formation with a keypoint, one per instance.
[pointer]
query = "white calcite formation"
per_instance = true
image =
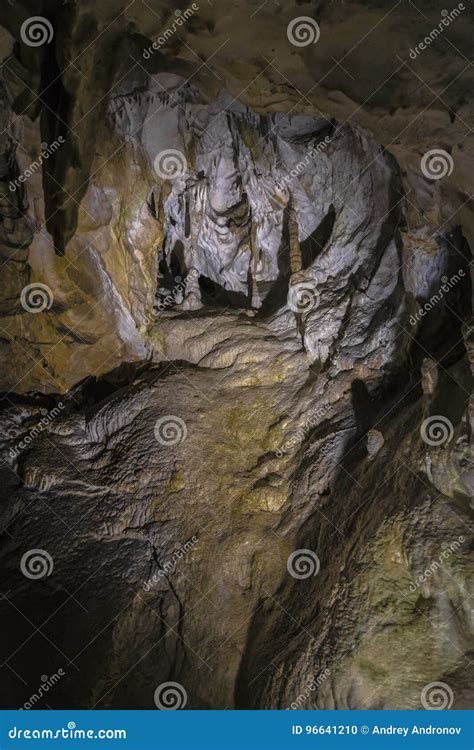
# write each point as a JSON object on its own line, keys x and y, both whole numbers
{"x": 255, "y": 347}
{"x": 286, "y": 214}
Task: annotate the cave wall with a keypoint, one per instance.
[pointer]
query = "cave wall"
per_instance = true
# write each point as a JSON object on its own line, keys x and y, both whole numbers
{"x": 172, "y": 457}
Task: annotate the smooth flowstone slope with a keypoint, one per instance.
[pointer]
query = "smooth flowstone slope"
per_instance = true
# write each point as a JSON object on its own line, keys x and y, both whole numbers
{"x": 253, "y": 531}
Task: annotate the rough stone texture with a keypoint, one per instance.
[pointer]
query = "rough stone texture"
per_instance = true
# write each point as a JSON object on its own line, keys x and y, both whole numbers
{"x": 290, "y": 354}
{"x": 112, "y": 505}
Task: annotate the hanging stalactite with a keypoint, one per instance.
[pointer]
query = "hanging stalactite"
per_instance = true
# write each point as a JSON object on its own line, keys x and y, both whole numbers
{"x": 254, "y": 258}
{"x": 296, "y": 263}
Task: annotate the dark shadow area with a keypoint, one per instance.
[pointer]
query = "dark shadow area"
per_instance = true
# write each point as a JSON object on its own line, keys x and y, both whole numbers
{"x": 278, "y": 289}
{"x": 439, "y": 334}
{"x": 215, "y": 295}
{"x": 314, "y": 244}
{"x": 55, "y": 118}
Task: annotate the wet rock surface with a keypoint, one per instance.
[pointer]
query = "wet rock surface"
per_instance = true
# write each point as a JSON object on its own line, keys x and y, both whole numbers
{"x": 236, "y": 363}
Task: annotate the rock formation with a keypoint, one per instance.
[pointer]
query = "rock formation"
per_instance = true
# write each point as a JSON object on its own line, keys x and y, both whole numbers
{"x": 236, "y": 356}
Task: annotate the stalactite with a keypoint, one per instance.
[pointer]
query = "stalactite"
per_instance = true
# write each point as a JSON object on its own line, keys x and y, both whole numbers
{"x": 187, "y": 201}
{"x": 195, "y": 219}
{"x": 296, "y": 263}
{"x": 256, "y": 301}
{"x": 196, "y": 212}
{"x": 192, "y": 299}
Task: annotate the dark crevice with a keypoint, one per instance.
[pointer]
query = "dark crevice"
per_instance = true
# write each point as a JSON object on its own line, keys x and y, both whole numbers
{"x": 216, "y": 295}
{"x": 55, "y": 116}
{"x": 439, "y": 334}
{"x": 278, "y": 289}
{"x": 316, "y": 242}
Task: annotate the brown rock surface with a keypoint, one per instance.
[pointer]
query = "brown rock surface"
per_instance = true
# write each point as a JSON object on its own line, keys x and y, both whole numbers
{"x": 236, "y": 419}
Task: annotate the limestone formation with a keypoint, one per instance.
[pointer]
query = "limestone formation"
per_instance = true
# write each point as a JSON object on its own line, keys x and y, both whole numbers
{"x": 236, "y": 356}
